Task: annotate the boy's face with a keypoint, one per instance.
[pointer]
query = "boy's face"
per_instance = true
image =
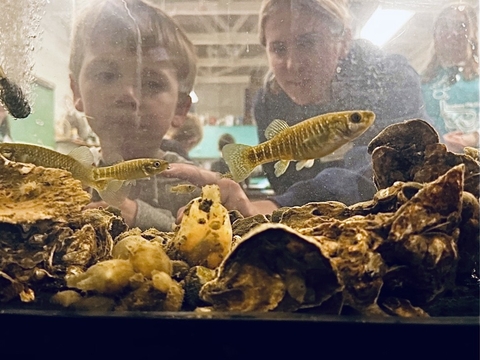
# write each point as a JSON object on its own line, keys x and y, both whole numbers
{"x": 130, "y": 101}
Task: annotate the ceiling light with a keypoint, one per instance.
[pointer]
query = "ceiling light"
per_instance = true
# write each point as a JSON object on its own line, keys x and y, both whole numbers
{"x": 384, "y": 24}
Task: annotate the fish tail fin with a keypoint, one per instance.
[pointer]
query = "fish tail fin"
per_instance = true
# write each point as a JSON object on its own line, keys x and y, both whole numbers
{"x": 235, "y": 155}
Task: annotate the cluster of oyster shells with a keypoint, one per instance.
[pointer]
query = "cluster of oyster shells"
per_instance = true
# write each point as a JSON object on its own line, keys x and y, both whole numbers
{"x": 395, "y": 255}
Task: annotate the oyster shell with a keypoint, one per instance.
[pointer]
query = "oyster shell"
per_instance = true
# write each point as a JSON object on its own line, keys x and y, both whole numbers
{"x": 410, "y": 151}
{"x": 421, "y": 247}
{"x": 43, "y": 231}
{"x": 273, "y": 268}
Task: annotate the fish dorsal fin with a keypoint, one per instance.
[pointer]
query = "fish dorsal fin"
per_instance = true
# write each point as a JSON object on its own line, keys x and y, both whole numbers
{"x": 275, "y": 128}
{"x": 83, "y": 155}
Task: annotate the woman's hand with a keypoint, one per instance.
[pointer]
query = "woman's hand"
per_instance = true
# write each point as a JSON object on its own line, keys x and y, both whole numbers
{"x": 457, "y": 140}
{"x": 128, "y": 209}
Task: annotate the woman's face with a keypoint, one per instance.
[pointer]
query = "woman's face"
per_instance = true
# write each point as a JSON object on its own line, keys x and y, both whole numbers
{"x": 451, "y": 39}
{"x": 303, "y": 54}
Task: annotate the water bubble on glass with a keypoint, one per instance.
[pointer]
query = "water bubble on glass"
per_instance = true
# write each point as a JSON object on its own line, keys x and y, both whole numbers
{"x": 39, "y": 122}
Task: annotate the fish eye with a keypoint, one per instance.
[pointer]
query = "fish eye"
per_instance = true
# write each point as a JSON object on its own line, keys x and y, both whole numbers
{"x": 157, "y": 164}
{"x": 355, "y": 118}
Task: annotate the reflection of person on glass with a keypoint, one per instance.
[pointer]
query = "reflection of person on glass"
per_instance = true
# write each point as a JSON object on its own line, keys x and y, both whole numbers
{"x": 316, "y": 68}
{"x": 450, "y": 82}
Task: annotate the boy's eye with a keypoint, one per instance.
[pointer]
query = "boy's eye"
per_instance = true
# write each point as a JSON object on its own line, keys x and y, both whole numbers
{"x": 155, "y": 86}
{"x": 106, "y": 77}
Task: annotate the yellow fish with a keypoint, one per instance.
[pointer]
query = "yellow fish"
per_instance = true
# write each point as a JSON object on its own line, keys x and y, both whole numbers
{"x": 304, "y": 142}
{"x": 183, "y": 188}
{"x": 129, "y": 170}
{"x": 106, "y": 180}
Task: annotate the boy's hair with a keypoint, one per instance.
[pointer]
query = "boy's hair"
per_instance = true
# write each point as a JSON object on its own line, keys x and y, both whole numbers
{"x": 133, "y": 24}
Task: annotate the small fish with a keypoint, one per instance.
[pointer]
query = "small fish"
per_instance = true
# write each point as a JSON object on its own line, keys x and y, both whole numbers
{"x": 114, "y": 176}
{"x": 13, "y": 98}
{"x": 109, "y": 180}
{"x": 183, "y": 188}
{"x": 304, "y": 142}
{"x": 106, "y": 180}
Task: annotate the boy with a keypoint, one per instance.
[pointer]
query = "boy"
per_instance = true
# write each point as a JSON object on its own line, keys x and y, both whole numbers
{"x": 131, "y": 70}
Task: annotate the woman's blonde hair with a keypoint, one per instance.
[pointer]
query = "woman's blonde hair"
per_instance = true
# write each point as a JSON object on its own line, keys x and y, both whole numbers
{"x": 133, "y": 23}
{"x": 470, "y": 70}
{"x": 334, "y": 11}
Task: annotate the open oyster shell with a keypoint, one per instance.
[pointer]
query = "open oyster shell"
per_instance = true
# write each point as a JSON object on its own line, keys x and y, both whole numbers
{"x": 273, "y": 268}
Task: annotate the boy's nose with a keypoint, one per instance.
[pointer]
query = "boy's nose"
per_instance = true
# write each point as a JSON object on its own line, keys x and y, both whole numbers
{"x": 128, "y": 96}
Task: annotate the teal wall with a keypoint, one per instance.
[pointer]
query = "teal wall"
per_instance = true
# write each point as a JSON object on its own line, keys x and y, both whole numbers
{"x": 208, "y": 147}
{"x": 38, "y": 128}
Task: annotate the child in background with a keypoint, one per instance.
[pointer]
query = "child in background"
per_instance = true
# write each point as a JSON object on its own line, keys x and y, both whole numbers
{"x": 220, "y": 165}
{"x": 131, "y": 71}
{"x": 183, "y": 139}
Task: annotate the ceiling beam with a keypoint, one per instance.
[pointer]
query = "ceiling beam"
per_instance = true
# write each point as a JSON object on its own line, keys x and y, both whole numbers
{"x": 233, "y": 63}
{"x": 224, "y": 38}
{"x": 196, "y": 8}
{"x": 231, "y": 79}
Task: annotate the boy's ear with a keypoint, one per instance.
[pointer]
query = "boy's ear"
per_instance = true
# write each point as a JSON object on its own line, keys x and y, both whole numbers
{"x": 183, "y": 106}
{"x": 77, "y": 99}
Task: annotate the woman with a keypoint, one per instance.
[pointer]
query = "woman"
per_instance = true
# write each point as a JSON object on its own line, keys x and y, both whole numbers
{"x": 316, "y": 68}
{"x": 450, "y": 82}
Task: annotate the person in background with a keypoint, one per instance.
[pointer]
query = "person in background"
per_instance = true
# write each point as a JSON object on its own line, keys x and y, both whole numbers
{"x": 316, "y": 68}
{"x": 183, "y": 139}
{"x": 5, "y": 136}
{"x": 131, "y": 71}
{"x": 450, "y": 81}
{"x": 220, "y": 165}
